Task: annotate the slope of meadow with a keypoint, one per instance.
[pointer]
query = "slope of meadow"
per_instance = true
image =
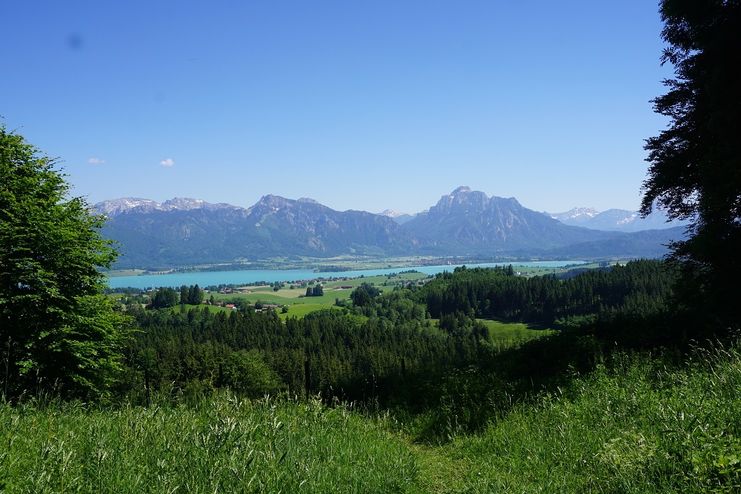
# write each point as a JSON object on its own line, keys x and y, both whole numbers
{"x": 636, "y": 424}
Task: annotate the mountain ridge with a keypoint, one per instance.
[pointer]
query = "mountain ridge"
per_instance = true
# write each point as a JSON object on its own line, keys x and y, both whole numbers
{"x": 183, "y": 231}
{"x": 614, "y": 219}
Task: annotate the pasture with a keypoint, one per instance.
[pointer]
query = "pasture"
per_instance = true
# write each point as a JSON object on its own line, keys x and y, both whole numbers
{"x": 293, "y": 295}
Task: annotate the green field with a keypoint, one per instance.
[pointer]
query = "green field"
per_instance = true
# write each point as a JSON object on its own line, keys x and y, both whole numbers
{"x": 504, "y": 334}
{"x": 299, "y": 305}
{"x": 210, "y": 308}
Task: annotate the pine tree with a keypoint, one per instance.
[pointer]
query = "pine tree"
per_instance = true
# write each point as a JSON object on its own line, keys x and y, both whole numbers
{"x": 695, "y": 170}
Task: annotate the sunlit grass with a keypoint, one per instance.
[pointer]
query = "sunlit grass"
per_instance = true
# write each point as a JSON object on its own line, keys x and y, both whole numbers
{"x": 224, "y": 445}
{"x": 637, "y": 424}
{"x": 507, "y": 334}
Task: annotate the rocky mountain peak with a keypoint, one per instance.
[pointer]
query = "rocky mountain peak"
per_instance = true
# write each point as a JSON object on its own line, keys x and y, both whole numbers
{"x": 461, "y": 199}
{"x": 115, "y": 207}
{"x": 272, "y": 201}
{"x": 184, "y": 203}
{"x": 307, "y": 200}
{"x": 461, "y": 190}
{"x": 575, "y": 214}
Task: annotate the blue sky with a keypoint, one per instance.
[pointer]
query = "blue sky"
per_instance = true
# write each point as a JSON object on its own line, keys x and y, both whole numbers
{"x": 359, "y": 105}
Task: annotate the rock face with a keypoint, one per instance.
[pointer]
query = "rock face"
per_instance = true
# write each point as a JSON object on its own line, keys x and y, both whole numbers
{"x": 305, "y": 227}
{"x": 127, "y": 204}
{"x": 184, "y": 231}
{"x": 470, "y": 222}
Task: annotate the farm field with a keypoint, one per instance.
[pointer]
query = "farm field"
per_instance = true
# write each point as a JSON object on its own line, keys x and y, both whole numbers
{"x": 298, "y": 304}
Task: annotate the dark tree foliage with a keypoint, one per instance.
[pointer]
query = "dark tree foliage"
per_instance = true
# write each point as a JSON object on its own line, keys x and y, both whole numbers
{"x": 192, "y": 294}
{"x": 314, "y": 291}
{"x": 57, "y": 329}
{"x": 638, "y": 288}
{"x": 364, "y": 294}
{"x": 387, "y": 357}
{"x": 195, "y": 295}
{"x": 695, "y": 169}
{"x": 166, "y": 297}
{"x": 246, "y": 372}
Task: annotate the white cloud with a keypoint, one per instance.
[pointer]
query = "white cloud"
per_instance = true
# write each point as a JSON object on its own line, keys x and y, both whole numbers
{"x": 167, "y": 162}
{"x": 95, "y": 161}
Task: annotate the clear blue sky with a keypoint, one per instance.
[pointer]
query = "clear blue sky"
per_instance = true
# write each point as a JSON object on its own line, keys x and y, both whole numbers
{"x": 359, "y": 105}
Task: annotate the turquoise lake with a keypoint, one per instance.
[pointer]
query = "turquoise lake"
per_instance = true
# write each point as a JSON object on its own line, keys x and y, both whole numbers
{"x": 208, "y": 278}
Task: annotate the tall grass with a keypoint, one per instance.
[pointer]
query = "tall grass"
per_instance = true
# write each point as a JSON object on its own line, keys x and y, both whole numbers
{"x": 225, "y": 445}
{"x": 636, "y": 425}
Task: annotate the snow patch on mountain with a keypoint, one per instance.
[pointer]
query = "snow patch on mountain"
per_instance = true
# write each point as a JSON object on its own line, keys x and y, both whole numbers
{"x": 115, "y": 207}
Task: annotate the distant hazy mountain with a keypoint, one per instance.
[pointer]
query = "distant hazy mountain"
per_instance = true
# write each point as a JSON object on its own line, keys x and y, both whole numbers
{"x": 576, "y": 216}
{"x": 305, "y": 227}
{"x": 189, "y": 231}
{"x": 646, "y": 244}
{"x": 117, "y": 206}
{"x": 470, "y": 222}
{"x": 465, "y": 222}
{"x": 619, "y": 220}
{"x": 400, "y": 218}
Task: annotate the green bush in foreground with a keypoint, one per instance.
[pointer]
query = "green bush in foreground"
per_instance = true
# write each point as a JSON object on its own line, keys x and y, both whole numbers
{"x": 226, "y": 445}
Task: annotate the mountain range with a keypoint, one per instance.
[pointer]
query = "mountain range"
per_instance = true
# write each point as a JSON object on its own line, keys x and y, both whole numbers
{"x": 619, "y": 220}
{"x": 181, "y": 231}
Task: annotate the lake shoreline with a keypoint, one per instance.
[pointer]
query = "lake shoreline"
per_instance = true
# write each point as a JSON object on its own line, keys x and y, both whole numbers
{"x": 252, "y": 276}
{"x": 338, "y": 264}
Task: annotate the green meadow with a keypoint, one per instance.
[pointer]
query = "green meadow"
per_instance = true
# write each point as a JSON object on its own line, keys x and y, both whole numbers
{"x": 505, "y": 334}
{"x": 298, "y": 304}
{"x": 636, "y": 424}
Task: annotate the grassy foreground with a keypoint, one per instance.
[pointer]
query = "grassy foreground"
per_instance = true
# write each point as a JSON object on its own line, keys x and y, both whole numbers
{"x": 638, "y": 427}
{"x": 635, "y": 425}
{"x": 226, "y": 445}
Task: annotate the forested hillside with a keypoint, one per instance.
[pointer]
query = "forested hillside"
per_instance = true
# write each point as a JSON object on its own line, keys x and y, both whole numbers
{"x": 415, "y": 385}
{"x": 396, "y": 348}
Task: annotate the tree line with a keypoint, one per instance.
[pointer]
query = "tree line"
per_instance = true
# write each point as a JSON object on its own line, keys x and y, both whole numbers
{"x": 169, "y": 297}
{"x": 638, "y": 287}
